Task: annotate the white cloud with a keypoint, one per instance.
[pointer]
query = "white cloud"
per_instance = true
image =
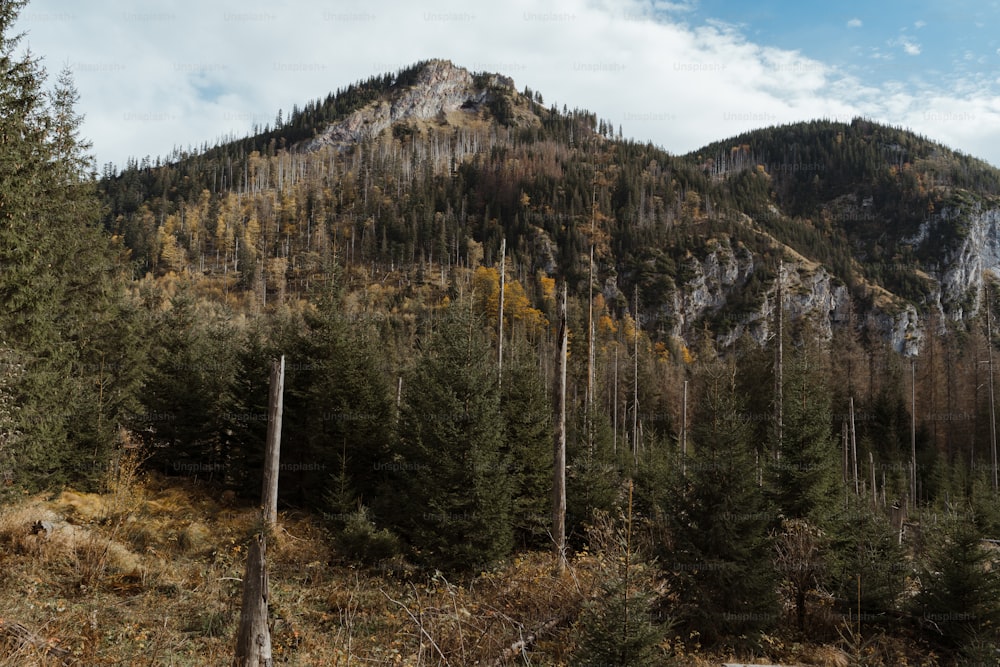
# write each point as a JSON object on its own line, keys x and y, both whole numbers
{"x": 667, "y": 6}
{"x": 193, "y": 72}
{"x": 919, "y": 24}
{"x": 909, "y": 47}
{"x": 855, "y": 23}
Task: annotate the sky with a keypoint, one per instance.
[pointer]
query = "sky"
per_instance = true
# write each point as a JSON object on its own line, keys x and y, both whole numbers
{"x": 153, "y": 76}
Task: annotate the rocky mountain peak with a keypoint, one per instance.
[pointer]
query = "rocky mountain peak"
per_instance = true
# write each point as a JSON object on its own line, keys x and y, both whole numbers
{"x": 440, "y": 88}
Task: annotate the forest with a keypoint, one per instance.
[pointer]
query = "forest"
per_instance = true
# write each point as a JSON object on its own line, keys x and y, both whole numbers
{"x": 812, "y": 485}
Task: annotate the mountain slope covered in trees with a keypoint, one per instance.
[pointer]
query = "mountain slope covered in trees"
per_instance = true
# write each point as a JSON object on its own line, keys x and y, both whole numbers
{"x": 780, "y": 378}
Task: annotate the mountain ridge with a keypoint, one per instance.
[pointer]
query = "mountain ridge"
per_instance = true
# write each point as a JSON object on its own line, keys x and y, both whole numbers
{"x": 885, "y": 221}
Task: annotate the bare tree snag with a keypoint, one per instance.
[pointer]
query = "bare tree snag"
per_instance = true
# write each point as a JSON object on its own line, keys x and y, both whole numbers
{"x": 253, "y": 642}
{"x": 779, "y": 366}
{"x": 269, "y": 500}
{"x": 559, "y": 462}
{"x": 503, "y": 284}
{"x": 854, "y": 453}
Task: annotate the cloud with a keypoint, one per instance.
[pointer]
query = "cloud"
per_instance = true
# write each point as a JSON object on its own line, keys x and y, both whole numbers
{"x": 676, "y": 6}
{"x": 909, "y": 47}
{"x": 193, "y": 73}
{"x": 919, "y": 24}
{"x": 855, "y": 23}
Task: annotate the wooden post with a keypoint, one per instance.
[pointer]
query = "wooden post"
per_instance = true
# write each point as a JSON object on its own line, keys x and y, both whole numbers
{"x": 559, "y": 463}
{"x": 269, "y": 499}
{"x": 253, "y": 642}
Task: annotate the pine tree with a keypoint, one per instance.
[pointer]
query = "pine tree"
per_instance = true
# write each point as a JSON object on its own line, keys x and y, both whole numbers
{"x": 803, "y": 481}
{"x": 339, "y": 413}
{"x": 59, "y": 283}
{"x": 528, "y": 433}
{"x": 451, "y": 474}
{"x": 863, "y": 545}
{"x": 721, "y": 563}
{"x": 959, "y": 598}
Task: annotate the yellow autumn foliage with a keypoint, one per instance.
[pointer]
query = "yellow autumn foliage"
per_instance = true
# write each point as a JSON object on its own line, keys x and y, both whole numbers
{"x": 517, "y": 307}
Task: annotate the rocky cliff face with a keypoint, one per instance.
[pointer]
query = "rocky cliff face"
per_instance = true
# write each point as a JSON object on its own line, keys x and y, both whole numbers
{"x": 961, "y": 272}
{"x": 807, "y": 292}
{"x": 441, "y": 88}
{"x": 964, "y": 240}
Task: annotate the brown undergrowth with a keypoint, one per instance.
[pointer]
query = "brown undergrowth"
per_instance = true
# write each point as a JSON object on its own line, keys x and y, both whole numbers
{"x": 148, "y": 572}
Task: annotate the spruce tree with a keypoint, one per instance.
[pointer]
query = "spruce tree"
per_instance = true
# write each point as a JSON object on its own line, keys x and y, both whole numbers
{"x": 339, "y": 412}
{"x": 59, "y": 283}
{"x": 803, "y": 480}
{"x": 959, "y": 598}
{"x": 863, "y": 545}
{"x": 721, "y": 561}
{"x": 617, "y": 627}
{"x": 189, "y": 393}
{"x": 451, "y": 473}
{"x": 528, "y": 433}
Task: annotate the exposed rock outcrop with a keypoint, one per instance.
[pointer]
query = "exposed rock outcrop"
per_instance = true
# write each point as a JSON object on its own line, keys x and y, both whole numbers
{"x": 440, "y": 88}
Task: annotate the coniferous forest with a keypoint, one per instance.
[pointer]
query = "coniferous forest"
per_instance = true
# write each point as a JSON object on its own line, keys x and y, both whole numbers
{"x": 745, "y": 477}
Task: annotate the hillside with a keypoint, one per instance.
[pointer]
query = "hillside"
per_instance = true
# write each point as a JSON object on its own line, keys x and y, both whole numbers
{"x": 400, "y": 174}
{"x": 771, "y": 382}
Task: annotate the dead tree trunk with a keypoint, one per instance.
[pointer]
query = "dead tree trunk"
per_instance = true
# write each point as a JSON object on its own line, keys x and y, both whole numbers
{"x": 635, "y": 384}
{"x": 253, "y": 643}
{"x": 269, "y": 500}
{"x": 684, "y": 430}
{"x": 503, "y": 284}
{"x": 993, "y": 416}
{"x": 779, "y": 367}
{"x": 559, "y": 462}
{"x": 854, "y": 452}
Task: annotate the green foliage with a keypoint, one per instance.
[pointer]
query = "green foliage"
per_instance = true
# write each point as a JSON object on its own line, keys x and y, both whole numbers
{"x": 863, "y": 544}
{"x": 959, "y": 598}
{"x": 60, "y": 284}
{"x": 501, "y": 107}
{"x": 338, "y": 410}
{"x": 453, "y": 489}
{"x": 189, "y": 394}
{"x": 358, "y": 539}
{"x": 618, "y": 627}
{"x": 721, "y": 560}
{"x": 528, "y": 431}
{"x": 802, "y": 481}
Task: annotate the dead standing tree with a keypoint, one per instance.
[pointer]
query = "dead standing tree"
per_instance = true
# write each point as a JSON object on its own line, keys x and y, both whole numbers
{"x": 269, "y": 496}
{"x": 253, "y": 640}
{"x": 559, "y": 454}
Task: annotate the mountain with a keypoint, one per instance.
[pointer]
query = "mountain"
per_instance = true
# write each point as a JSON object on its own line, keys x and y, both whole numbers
{"x": 406, "y": 176}
{"x": 439, "y": 93}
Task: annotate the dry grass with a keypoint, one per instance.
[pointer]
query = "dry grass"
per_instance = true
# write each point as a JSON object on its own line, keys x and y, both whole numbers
{"x": 148, "y": 573}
